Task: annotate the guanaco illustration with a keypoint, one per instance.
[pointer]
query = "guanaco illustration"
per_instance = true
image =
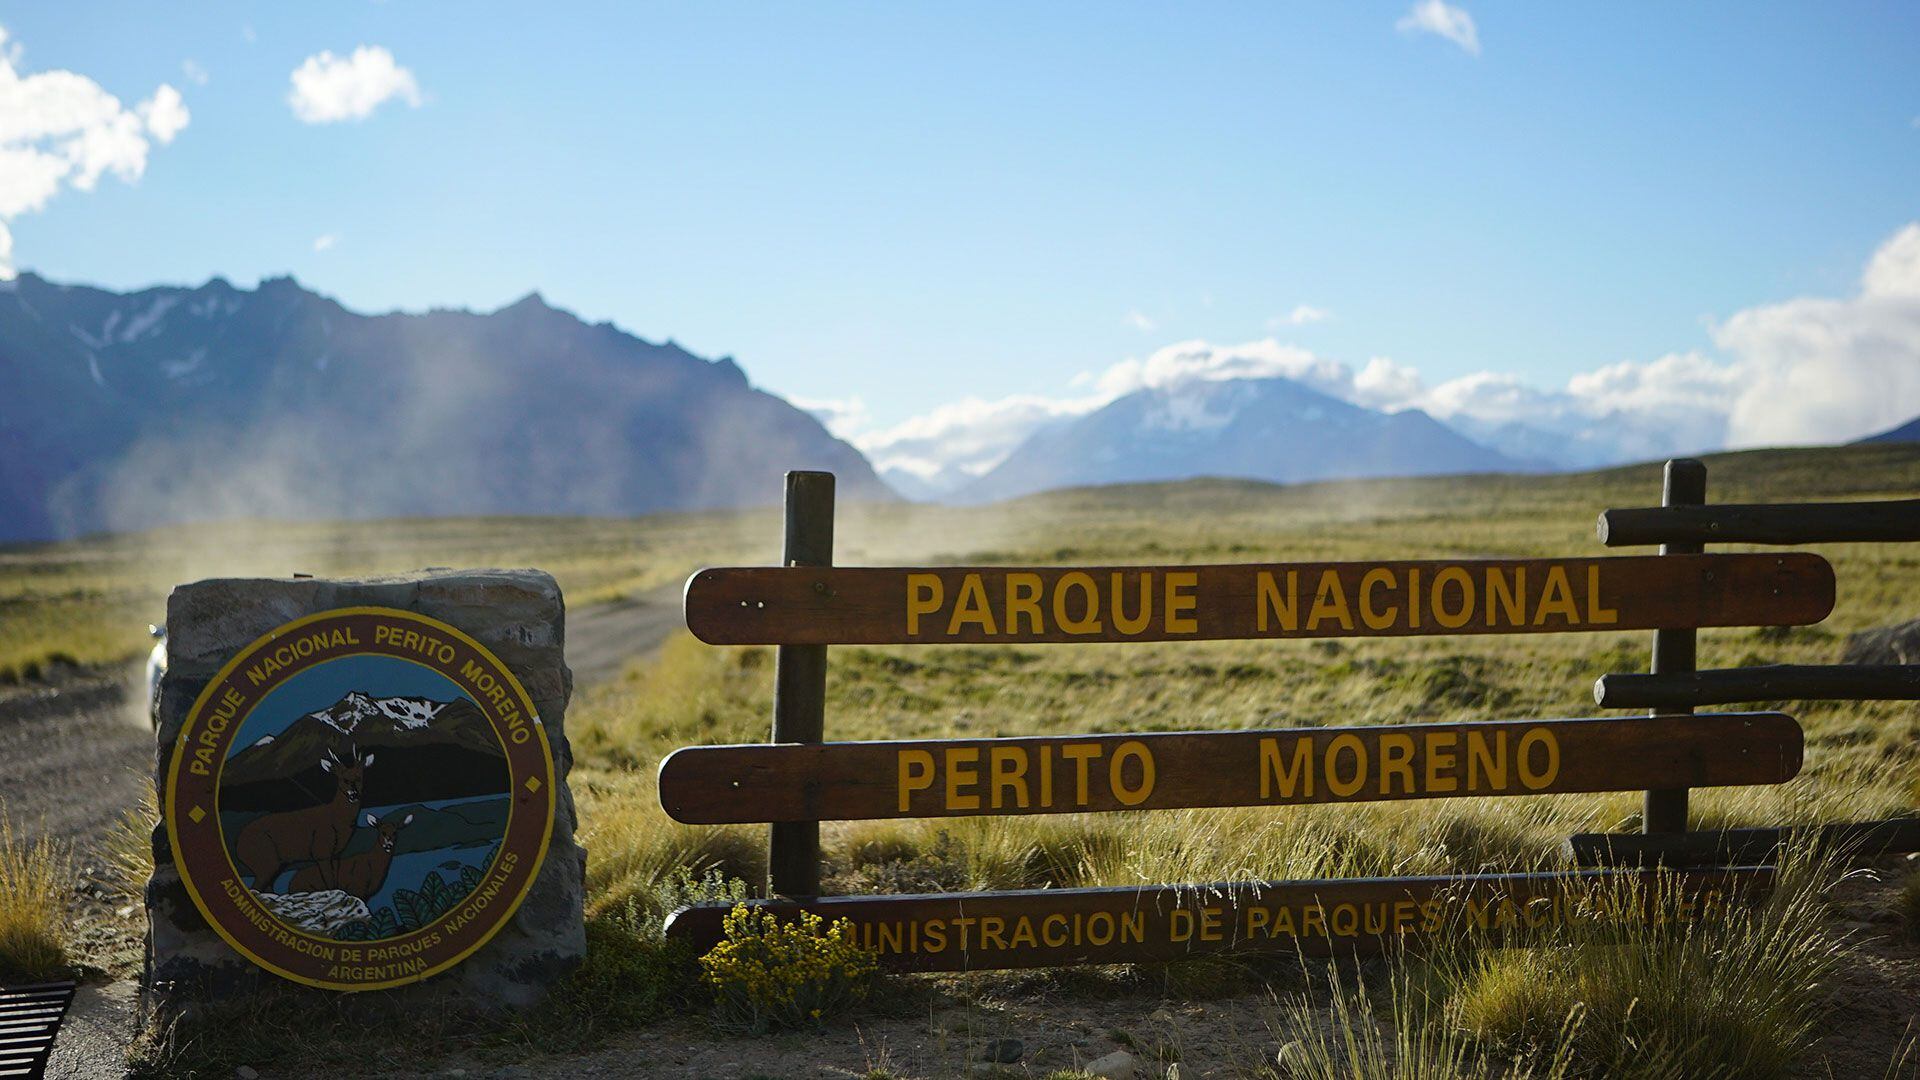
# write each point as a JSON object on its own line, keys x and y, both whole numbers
{"x": 358, "y": 875}
{"x": 270, "y": 843}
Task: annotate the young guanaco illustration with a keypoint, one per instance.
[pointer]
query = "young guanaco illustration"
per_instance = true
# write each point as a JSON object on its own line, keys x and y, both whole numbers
{"x": 359, "y": 875}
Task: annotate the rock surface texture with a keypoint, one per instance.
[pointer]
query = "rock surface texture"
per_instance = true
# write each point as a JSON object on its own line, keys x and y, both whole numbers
{"x": 520, "y": 617}
{"x": 1898, "y": 644}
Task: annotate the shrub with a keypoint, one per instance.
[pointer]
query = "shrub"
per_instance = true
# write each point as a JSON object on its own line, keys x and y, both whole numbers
{"x": 768, "y": 973}
{"x": 33, "y": 919}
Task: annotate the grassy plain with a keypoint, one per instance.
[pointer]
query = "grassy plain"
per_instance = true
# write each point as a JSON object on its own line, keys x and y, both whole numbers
{"x": 87, "y": 599}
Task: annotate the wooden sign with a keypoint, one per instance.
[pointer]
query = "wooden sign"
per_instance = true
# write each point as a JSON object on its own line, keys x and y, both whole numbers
{"x": 708, "y": 785}
{"x": 803, "y": 605}
{"x": 1155, "y": 924}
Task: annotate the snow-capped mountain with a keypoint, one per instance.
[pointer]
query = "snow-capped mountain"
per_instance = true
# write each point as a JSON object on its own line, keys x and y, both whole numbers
{"x": 1273, "y": 429}
{"x": 406, "y": 713}
{"x": 122, "y": 410}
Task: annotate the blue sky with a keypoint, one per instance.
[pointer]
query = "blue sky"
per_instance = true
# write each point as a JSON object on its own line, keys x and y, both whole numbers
{"x": 910, "y": 205}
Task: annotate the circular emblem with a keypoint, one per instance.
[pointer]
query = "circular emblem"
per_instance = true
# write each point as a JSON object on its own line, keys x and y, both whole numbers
{"x": 360, "y": 798}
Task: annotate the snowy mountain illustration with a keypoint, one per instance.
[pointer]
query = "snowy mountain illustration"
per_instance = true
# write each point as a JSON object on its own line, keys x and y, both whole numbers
{"x": 425, "y": 749}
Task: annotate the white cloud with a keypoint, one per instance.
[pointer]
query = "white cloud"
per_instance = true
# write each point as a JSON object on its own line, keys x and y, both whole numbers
{"x": 1138, "y": 321}
{"x": 329, "y": 88}
{"x": 1301, "y": 315}
{"x": 59, "y": 128}
{"x": 967, "y": 437}
{"x": 195, "y": 74}
{"x": 325, "y": 241}
{"x": 1820, "y": 370}
{"x": 1806, "y": 370}
{"x": 842, "y": 416}
{"x": 1443, "y": 20}
{"x": 164, "y": 114}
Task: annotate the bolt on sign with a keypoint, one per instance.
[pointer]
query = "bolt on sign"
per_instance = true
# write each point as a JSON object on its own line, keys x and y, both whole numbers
{"x": 360, "y": 798}
{"x": 803, "y": 605}
{"x": 1166, "y": 770}
{"x": 1154, "y": 924}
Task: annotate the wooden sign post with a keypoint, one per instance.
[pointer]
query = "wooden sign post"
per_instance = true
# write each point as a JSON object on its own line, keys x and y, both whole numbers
{"x": 796, "y": 605}
{"x": 1075, "y": 774}
{"x": 1675, "y": 647}
{"x": 1159, "y": 923}
{"x": 800, "y": 683}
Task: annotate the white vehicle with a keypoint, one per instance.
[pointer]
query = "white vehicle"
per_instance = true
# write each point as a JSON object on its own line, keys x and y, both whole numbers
{"x": 156, "y": 667}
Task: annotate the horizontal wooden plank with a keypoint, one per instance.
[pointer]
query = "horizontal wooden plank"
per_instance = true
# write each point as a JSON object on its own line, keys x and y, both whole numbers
{"x": 1762, "y": 523}
{"x": 899, "y": 605}
{"x": 1775, "y": 682}
{"x": 1159, "y": 923}
{"x": 1164, "y": 770}
{"x": 1854, "y": 839}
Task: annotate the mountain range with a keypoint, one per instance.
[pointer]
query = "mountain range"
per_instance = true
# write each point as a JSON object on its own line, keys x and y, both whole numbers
{"x": 127, "y": 410}
{"x": 1273, "y": 429}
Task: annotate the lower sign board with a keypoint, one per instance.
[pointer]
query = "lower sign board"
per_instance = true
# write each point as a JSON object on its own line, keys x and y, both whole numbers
{"x": 1155, "y": 924}
{"x": 804, "y": 605}
{"x": 710, "y": 785}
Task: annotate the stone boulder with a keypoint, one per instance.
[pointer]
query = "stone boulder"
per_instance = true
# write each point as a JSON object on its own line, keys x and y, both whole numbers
{"x": 519, "y": 616}
{"x": 1898, "y": 644}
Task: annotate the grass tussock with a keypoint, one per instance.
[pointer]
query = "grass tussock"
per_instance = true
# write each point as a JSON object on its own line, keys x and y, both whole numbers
{"x": 1731, "y": 994}
{"x": 127, "y": 847}
{"x": 34, "y": 929}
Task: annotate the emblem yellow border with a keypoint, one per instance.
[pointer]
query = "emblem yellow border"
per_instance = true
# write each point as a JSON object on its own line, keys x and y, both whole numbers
{"x": 193, "y": 714}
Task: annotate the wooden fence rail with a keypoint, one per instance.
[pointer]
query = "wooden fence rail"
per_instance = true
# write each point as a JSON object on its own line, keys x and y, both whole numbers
{"x": 1894, "y": 520}
{"x": 1777, "y": 682}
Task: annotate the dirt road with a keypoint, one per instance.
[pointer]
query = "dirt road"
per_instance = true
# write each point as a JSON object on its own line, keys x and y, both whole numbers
{"x": 74, "y": 753}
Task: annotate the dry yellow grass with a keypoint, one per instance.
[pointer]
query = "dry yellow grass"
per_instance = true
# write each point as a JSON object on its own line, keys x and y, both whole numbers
{"x": 34, "y": 929}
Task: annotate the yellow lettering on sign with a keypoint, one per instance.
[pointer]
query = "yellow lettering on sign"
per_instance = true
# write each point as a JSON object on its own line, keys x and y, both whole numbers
{"x": 1350, "y": 743}
{"x": 1452, "y": 620}
{"x": 1556, "y": 598}
{"x": 1081, "y": 754}
{"x": 1275, "y": 772}
{"x": 1533, "y": 778}
{"x": 1440, "y": 759}
{"x": 971, "y": 607}
{"x": 1023, "y": 598}
{"x": 1596, "y": 613}
{"x": 1377, "y": 618}
{"x": 1270, "y": 602}
{"x": 924, "y": 592}
{"x": 1503, "y": 599}
{"x": 1117, "y": 605}
{"x": 1181, "y": 602}
{"x": 1089, "y": 621}
{"x": 1137, "y": 750}
{"x": 957, "y": 777}
{"x": 916, "y": 774}
{"x": 1481, "y": 759}
{"x": 1330, "y": 602}
{"x": 1396, "y": 759}
{"x": 1007, "y": 766}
